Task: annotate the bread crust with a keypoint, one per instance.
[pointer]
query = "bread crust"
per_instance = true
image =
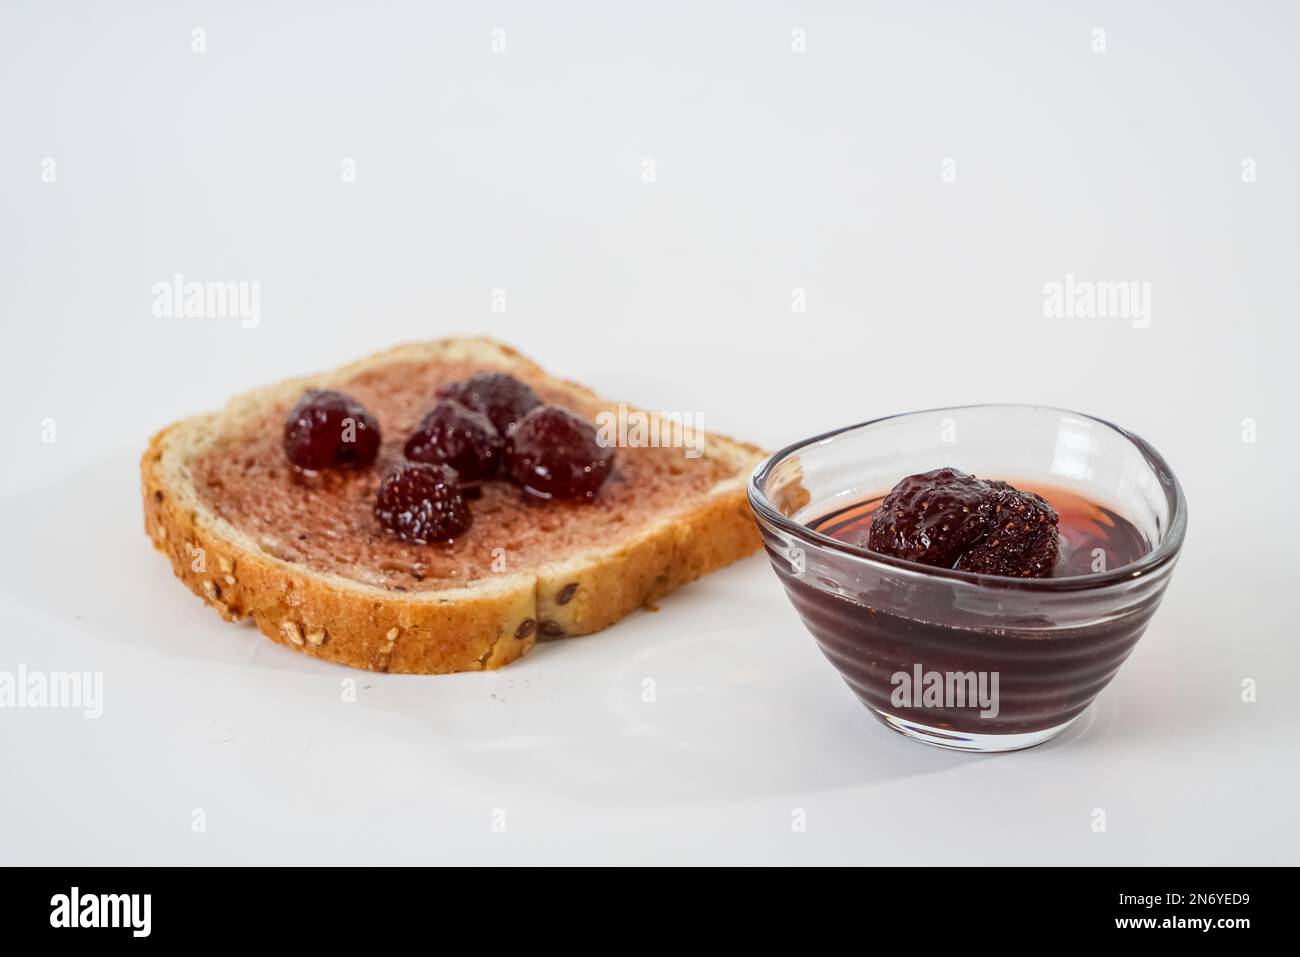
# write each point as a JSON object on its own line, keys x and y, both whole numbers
{"x": 470, "y": 628}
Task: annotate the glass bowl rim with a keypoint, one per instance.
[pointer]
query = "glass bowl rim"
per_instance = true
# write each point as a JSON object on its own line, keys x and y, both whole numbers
{"x": 1165, "y": 552}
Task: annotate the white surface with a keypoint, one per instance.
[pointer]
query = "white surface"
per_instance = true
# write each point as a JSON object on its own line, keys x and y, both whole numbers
{"x": 522, "y": 170}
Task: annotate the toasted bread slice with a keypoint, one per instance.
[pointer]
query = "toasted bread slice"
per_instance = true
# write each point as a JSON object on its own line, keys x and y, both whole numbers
{"x": 306, "y": 559}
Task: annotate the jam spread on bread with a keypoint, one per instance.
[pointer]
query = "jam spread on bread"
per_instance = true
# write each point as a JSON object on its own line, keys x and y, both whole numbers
{"x": 325, "y": 519}
{"x": 549, "y": 451}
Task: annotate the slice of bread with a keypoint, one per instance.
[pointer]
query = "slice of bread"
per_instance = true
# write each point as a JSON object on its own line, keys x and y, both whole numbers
{"x": 304, "y": 557}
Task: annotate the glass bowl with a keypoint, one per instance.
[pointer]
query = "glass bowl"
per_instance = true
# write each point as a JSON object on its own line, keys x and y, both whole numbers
{"x": 957, "y": 659}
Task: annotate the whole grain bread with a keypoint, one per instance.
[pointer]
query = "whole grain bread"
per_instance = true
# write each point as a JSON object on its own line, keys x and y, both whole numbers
{"x": 450, "y": 626}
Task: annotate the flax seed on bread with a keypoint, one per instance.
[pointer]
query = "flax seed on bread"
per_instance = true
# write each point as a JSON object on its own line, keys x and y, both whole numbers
{"x": 304, "y": 557}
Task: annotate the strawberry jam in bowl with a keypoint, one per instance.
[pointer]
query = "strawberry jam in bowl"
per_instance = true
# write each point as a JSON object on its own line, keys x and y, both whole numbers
{"x": 977, "y": 575}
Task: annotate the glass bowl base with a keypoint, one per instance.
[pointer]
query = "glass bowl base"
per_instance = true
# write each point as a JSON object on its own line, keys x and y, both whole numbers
{"x": 969, "y": 740}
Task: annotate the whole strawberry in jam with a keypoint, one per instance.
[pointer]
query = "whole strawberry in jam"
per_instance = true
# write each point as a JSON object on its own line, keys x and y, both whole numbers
{"x": 950, "y": 519}
{"x": 329, "y": 429}
{"x": 555, "y": 454}
{"x": 454, "y": 435}
{"x": 422, "y": 504}
{"x": 931, "y": 518}
{"x": 502, "y": 398}
{"x": 1023, "y": 540}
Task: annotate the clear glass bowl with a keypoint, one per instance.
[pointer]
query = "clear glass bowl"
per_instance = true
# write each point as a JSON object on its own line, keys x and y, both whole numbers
{"x": 1042, "y": 648}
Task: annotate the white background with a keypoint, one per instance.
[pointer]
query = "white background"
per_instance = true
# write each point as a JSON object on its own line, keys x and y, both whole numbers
{"x": 522, "y": 170}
